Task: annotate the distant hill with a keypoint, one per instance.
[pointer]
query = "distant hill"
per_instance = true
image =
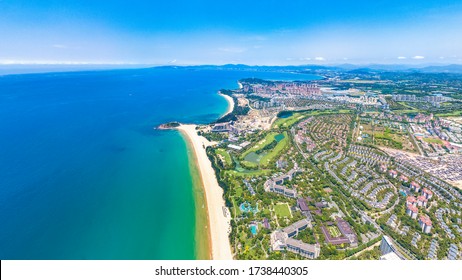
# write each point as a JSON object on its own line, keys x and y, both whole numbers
{"x": 453, "y": 68}
{"x": 309, "y": 68}
{"x": 351, "y": 68}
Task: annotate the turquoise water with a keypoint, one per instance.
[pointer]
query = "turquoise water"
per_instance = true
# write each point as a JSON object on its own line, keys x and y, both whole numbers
{"x": 246, "y": 207}
{"x": 83, "y": 174}
{"x": 253, "y": 229}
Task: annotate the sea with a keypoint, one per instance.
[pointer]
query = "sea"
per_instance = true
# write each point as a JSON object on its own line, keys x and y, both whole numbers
{"x": 83, "y": 172}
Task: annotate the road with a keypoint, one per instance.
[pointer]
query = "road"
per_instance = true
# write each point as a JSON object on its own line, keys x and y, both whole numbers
{"x": 362, "y": 213}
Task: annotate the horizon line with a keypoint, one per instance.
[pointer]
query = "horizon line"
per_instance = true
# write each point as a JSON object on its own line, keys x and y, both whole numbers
{"x": 226, "y": 64}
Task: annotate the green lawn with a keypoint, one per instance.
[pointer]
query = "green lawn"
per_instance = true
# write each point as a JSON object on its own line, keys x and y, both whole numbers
{"x": 248, "y": 164}
{"x": 334, "y": 231}
{"x": 297, "y": 116}
{"x": 238, "y": 192}
{"x": 248, "y": 173}
{"x": 269, "y": 154}
{"x": 287, "y": 122}
{"x": 433, "y": 140}
{"x": 405, "y": 111}
{"x": 260, "y": 145}
{"x": 282, "y": 210}
{"x": 450, "y": 114}
{"x": 390, "y": 139}
{"x": 344, "y": 111}
{"x": 225, "y": 155}
{"x": 407, "y": 106}
{"x": 266, "y": 159}
{"x": 235, "y": 206}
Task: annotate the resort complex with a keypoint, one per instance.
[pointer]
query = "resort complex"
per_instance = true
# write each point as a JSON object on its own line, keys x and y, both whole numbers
{"x": 340, "y": 168}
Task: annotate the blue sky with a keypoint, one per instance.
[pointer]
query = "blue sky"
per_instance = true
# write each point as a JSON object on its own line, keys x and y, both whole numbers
{"x": 219, "y": 32}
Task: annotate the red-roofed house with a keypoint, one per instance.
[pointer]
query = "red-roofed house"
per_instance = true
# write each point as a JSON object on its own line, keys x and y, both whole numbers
{"x": 403, "y": 178}
{"x": 415, "y": 187}
{"x": 410, "y": 200}
{"x": 427, "y": 193}
{"x": 383, "y": 168}
{"x": 412, "y": 211}
{"x": 422, "y": 201}
{"x": 393, "y": 173}
{"x": 425, "y": 223}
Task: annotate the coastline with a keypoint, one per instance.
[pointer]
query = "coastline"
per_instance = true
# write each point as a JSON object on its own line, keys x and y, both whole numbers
{"x": 218, "y": 224}
{"x": 230, "y": 101}
{"x": 203, "y": 243}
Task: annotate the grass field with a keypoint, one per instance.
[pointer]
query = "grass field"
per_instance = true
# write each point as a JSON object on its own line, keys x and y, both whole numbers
{"x": 235, "y": 207}
{"x": 297, "y": 116}
{"x": 266, "y": 159}
{"x": 260, "y": 144}
{"x": 334, "y": 231}
{"x": 407, "y": 106}
{"x": 282, "y": 210}
{"x": 433, "y": 140}
{"x": 238, "y": 192}
{"x": 248, "y": 173}
{"x": 248, "y": 164}
{"x": 287, "y": 122}
{"x": 387, "y": 137}
{"x": 407, "y": 111}
{"x": 451, "y": 114}
{"x": 268, "y": 155}
{"x": 225, "y": 156}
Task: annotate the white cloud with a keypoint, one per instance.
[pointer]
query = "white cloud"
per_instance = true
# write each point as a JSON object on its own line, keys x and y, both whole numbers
{"x": 305, "y": 58}
{"x": 232, "y": 50}
{"x": 402, "y": 57}
{"x": 319, "y": 58}
{"x": 59, "y": 46}
{"x": 418, "y": 57}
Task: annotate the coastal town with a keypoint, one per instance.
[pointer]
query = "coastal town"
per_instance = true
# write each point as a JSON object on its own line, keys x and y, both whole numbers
{"x": 227, "y": 140}
{"x": 334, "y": 169}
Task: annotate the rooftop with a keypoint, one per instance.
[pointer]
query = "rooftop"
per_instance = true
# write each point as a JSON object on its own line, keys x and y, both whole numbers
{"x": 426, "y": 220}
{"x": 412, "y": 208}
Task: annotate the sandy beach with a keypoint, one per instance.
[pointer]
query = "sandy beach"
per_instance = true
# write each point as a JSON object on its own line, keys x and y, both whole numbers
{"x": 230, "y": 103}
{"x": 219, "y": 224}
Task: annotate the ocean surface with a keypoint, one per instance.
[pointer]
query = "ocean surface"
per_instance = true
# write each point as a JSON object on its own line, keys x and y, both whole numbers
{"x": 83, "y": 174}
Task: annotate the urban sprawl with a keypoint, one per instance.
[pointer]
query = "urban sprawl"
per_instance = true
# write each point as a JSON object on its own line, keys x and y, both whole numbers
{"x": 352, "y": 166}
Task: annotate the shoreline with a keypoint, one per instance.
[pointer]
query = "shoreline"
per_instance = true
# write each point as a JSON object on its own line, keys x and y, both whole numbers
{"x": 218, "y": 224}
{"x": 231, "y": 104}
{"x": 203, "y": 243}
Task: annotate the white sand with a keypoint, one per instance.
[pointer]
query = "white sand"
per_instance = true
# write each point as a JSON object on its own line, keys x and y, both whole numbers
{"x": 230, "y": 103}
{"x": 219, "y": 225}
